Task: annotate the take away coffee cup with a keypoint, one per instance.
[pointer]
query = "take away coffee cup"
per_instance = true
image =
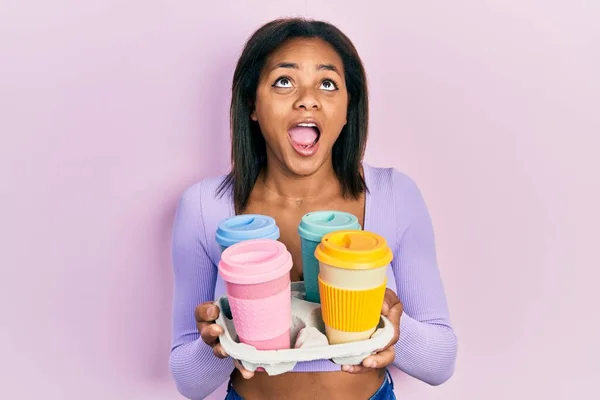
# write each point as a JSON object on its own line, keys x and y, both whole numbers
{"x": 311, "y": 229}
{"x": 258, "y": 286}
{"x": 352, "y": 282}
{"x": 238, "y": 228}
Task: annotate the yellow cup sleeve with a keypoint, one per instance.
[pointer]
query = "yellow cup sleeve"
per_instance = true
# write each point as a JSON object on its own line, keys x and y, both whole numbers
{"x": 351, "y": 310}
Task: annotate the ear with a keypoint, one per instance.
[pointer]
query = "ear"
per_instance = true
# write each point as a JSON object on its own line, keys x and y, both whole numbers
{"x": 253, "y": 116}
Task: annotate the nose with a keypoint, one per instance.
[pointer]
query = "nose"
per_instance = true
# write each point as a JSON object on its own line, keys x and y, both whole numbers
{"x": 307, "y": 100}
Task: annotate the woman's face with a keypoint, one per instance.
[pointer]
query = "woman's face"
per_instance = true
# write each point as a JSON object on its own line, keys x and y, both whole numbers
{"x": 301, "y": 104}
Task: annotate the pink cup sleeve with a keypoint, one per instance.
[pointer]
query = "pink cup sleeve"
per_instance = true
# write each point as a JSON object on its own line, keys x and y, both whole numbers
{"x": 262, "y": 319}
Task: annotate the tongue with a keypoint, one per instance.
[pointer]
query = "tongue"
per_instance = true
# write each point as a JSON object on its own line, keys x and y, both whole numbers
{"x": 303, "y": 135}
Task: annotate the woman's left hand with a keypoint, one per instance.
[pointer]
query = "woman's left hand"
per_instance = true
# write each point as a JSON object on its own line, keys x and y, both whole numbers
{"x": 392, "y": 309}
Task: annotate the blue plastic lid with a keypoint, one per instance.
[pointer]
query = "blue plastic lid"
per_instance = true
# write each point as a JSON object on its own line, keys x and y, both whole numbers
{"x": 316, "y": 224}
{"x": 244, "y": 227}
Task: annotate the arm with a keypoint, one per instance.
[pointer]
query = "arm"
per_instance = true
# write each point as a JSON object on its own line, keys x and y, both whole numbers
{"x": 427, "y": 345}
{"x": 196, "y": 370}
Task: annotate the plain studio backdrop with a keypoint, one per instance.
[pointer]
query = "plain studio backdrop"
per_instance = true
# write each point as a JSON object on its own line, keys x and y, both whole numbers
{"x": 109, "y": 109}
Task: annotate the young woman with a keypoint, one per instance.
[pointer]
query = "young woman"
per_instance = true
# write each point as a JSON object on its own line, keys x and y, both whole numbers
{"x": 299, "y": 117}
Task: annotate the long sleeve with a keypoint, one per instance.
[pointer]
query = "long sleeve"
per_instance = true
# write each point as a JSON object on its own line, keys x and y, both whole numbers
{"x": 427, "y": 346}
{"x": 196, "y": 370}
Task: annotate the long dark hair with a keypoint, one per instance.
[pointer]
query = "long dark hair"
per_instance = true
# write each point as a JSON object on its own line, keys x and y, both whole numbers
{"x": 248, "y": 147}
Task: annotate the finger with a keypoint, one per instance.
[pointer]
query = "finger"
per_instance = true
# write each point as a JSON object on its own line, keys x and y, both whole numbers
{"x": 394, "y": 316}
{"x": 380, "y": 360}
{"x": 245, "y": 373}
{"x": 389, "y": 300}
{"x": 355, "y": 369}
{"x": 206, "y": 312}
{"x": 210, "y": 333}
{"x": 219, "y": 351}
{"x": 203, "y": 325}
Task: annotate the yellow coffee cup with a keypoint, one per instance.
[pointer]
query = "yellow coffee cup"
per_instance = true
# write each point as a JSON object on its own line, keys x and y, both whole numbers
{"x": 352, "y": 282}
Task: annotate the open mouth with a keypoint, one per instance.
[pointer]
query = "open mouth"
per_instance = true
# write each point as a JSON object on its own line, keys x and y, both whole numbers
{"x": 305, "y": 137}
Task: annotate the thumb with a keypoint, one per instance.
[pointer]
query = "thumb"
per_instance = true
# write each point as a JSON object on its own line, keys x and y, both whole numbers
{"x": 395, "y": 313}
{"x": 385, "y": 308}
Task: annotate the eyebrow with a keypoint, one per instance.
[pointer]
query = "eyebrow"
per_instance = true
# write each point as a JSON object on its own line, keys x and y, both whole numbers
{"x": 320, "y": 67}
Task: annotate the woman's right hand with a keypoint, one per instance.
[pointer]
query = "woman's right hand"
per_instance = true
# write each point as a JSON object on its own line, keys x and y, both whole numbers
{"x": 206, "y": 314}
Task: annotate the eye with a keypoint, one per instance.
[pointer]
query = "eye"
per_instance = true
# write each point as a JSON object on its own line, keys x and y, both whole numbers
{"x": 329, "y": 85}
{"x": 283, "y": 82}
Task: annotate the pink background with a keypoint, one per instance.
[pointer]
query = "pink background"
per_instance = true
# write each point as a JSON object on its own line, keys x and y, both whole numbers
{"x": 109, "y": 109}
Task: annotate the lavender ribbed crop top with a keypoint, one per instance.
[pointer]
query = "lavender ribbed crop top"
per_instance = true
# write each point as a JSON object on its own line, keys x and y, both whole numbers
{"x": 394, "y": 208}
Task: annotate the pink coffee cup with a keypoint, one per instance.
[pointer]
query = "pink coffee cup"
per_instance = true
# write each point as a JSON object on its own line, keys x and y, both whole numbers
{"x": 257, "y": 281}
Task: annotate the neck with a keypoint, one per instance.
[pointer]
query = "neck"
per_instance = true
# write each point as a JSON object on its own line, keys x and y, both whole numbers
{"x": 285, "y": 184}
